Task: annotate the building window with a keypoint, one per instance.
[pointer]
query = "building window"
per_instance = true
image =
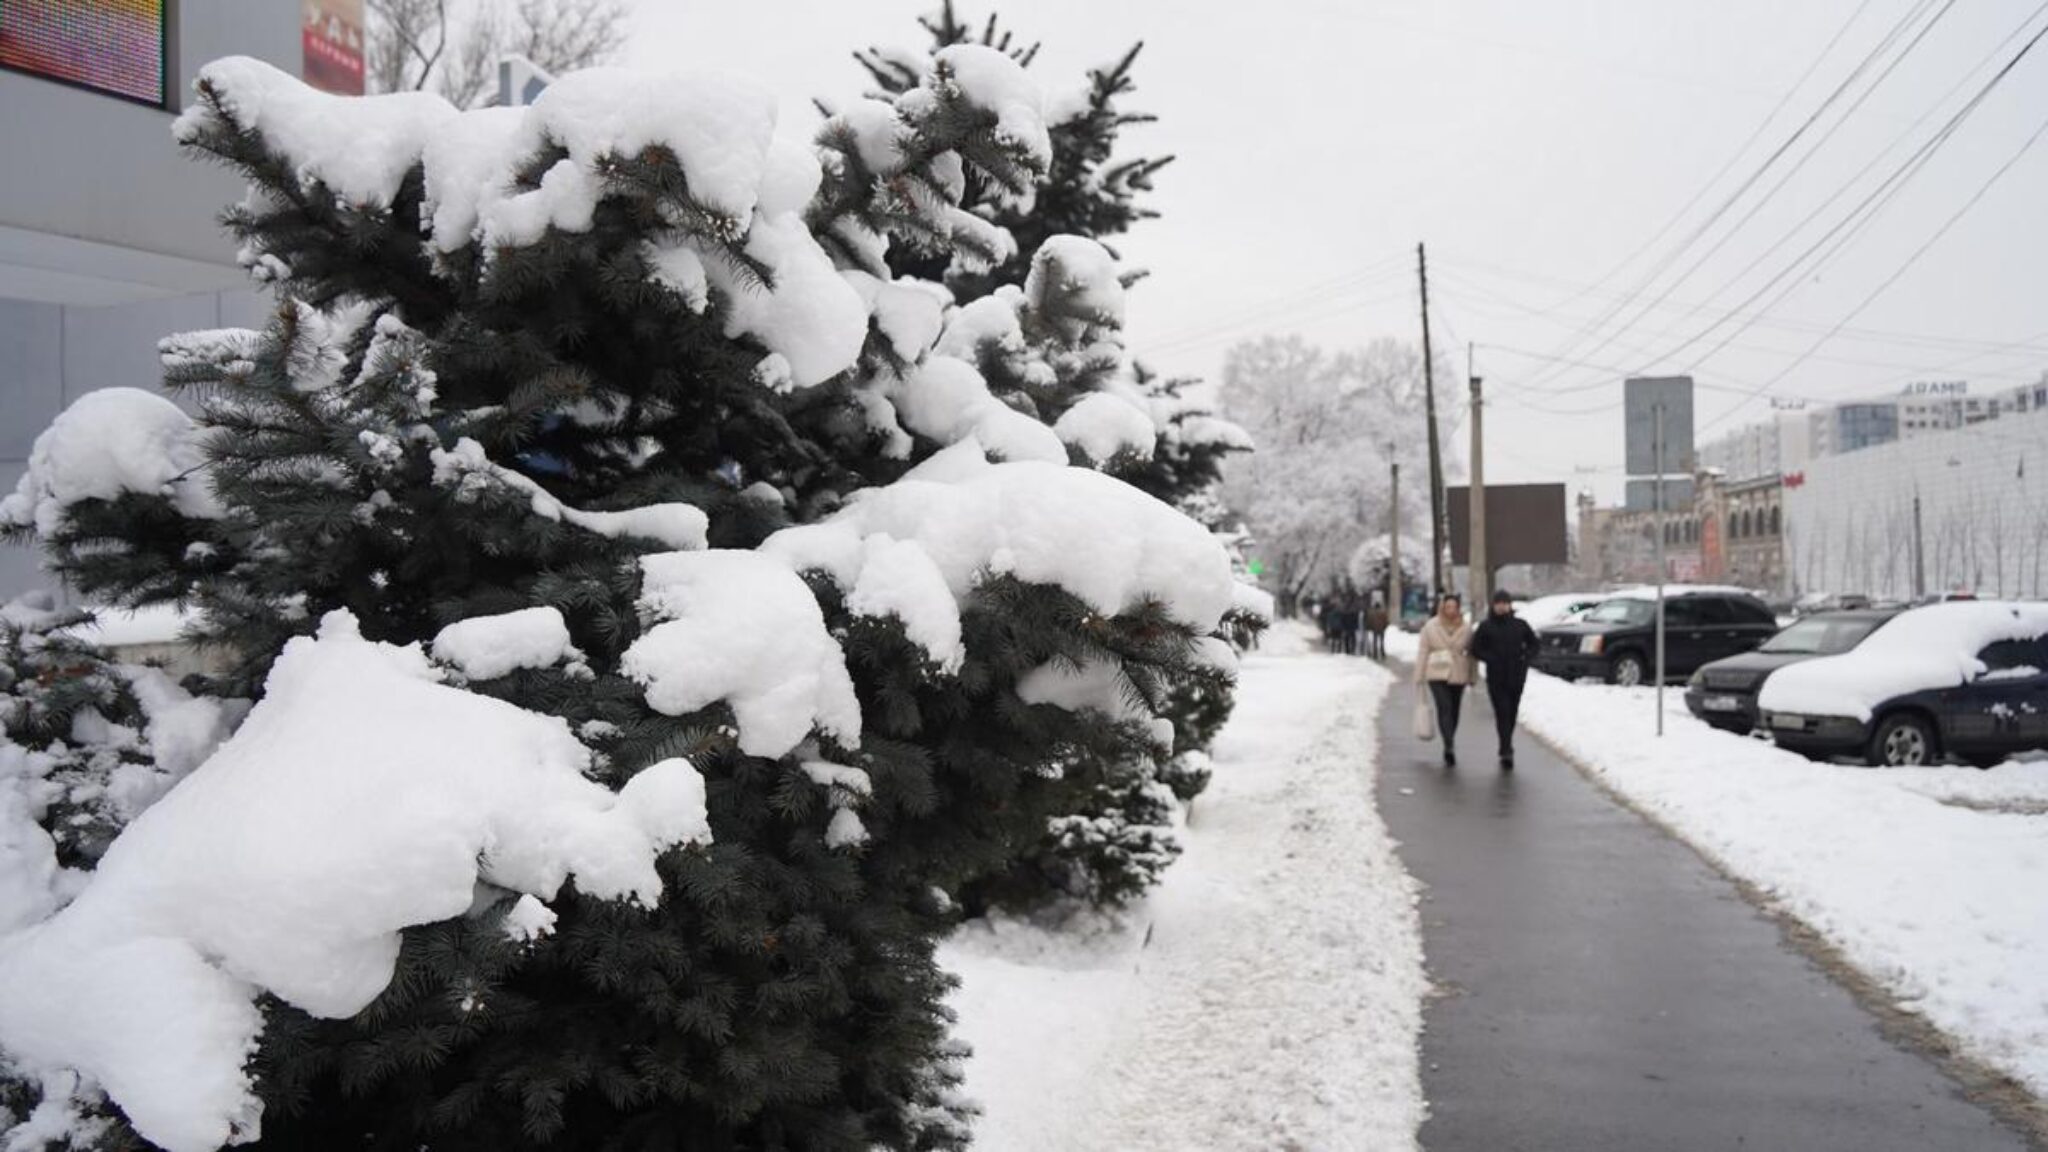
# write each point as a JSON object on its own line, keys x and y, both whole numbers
{"x": 112, "y": 46}
{"x": 1777, "y": 525}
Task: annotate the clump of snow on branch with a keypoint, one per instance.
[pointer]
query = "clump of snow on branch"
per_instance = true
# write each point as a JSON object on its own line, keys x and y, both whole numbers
{"x": 487, "y": 647}
{"x": 948, "y": 401}
{"x": 1109, "y": 544}
{"x": 993, "y": 80}
{"x": 741, "y": 628}
{"x": 1083, "y": 276}
{"x": 1103, "y": 426}
{"x": 107, "y": 443}
{"x": 359, "y": 148}
{"x": 281, "y": 866}
{"x": 469, "y": 470}
{"x": 881, "y": 577}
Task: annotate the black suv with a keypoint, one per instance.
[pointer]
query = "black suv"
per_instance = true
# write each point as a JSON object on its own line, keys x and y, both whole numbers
{"x": 1723, "y": 693}
{"x": 1617, "y": 641}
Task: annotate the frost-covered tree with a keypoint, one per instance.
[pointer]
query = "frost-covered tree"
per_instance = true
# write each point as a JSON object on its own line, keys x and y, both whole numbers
{"x": 454, "y": 50}
{"x": 595, "y": 439}
{"x": 1327, "y": 425}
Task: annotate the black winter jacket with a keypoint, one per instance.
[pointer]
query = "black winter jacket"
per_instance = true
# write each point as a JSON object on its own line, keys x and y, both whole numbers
{"x": 1507, "y": 644}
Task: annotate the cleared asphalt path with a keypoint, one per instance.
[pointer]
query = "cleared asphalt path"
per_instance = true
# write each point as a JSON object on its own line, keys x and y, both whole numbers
{"x": 1602, "y": 988}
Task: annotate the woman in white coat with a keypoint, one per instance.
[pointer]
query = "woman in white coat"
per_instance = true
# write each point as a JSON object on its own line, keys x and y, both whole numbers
{"x": 1443, "y": 663}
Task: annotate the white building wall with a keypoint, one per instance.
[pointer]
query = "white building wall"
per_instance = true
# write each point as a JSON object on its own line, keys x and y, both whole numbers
{"x": 1984, "y": 514}
{"x": 109, "y": 235}
{"x": 94, "y": 167}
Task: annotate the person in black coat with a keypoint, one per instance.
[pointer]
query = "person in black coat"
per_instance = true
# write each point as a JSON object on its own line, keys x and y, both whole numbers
{"x": 1506, "y": 644}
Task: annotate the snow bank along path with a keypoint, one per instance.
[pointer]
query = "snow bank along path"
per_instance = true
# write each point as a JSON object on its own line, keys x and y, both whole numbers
{"x": 1277, "y": 1003}
{"x": 1943, "y": 904}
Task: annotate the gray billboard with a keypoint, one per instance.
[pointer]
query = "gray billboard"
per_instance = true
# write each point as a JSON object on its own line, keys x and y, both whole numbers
{"x": 1648, "y": 401}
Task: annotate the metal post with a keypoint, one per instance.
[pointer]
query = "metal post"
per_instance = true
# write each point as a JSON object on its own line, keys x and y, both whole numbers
{"x": 1657, "y": 446}
{"x": 1919, "y": 551}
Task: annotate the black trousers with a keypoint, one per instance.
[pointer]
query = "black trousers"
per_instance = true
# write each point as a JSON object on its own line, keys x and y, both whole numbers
{"x": 1506, "y": 694}
{"x": 1448, "y": 698}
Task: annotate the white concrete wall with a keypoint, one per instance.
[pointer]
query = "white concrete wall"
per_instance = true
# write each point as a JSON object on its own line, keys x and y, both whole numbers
{"x": 1984, "y": 513}
{"x": 50, "y": 354}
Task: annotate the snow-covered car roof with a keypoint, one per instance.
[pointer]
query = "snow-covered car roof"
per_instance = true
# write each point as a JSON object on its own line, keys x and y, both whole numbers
{"x": 1649, "y": 591}
{"x": 1922, "y": 648}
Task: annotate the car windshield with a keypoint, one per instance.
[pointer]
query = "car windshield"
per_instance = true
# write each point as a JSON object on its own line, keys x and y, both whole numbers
{"x": 1620, "y": 612}
{"x": 1821, "y": 636}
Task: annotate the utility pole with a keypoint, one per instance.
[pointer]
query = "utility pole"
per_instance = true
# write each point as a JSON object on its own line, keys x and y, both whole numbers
{"x": 1394, "y": 542}
{"x": 1919, "y": 551}
{"x": 1481, "y": 580}
{"x": 1436, "y": 463}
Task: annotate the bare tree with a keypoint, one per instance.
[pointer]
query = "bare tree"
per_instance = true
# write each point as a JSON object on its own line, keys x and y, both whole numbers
{"x": 429, "y": 45}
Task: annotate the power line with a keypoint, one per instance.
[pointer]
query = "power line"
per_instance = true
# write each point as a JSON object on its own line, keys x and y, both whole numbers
{"x": 1902, "y": 269}
{"x": 1797, "y": 166}
{"x": 1644, "y": 283}
{"x": 1372, "y": 275}
{"x": 1869, "y": 335}
{"x": 1866, "y": 210}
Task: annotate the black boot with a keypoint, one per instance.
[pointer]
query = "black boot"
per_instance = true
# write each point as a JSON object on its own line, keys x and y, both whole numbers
{"x": 1507, "y": 760}
{"x": 1450, "y": 757}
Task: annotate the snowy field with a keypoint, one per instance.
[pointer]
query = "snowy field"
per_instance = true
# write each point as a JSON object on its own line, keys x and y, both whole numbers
{"x": 1267, "y": 995}
{"x": 1932, "y": 881}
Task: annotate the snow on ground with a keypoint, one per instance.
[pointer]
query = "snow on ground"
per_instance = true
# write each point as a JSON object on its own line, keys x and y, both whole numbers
{"x": 1929, "y": 880}
{"x": 1267, "y": 995}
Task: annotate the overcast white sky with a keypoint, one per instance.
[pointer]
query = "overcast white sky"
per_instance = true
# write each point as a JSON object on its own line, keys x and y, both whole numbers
{"x": 1534, "y": 147}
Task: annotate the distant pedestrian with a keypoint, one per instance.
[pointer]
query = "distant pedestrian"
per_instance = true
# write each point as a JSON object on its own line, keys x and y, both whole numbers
{"x": 1443, "y": 662}
{"x": 1376, "y": 630}
{"x": 1507, "y": 645}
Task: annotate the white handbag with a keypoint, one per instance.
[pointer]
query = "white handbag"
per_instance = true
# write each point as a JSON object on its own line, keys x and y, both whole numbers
{"x": 1425, "y": 715}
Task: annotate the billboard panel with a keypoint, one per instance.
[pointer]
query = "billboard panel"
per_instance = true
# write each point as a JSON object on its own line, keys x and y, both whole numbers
{"x": 332, "y": 53}
{"x": 1644, "y": 399}
{"x": 1524, "y": 524}
{"x": 114, "y": 46}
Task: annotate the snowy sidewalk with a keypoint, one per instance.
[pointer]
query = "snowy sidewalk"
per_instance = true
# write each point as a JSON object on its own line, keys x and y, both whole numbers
{"x": 1268, "y": 995}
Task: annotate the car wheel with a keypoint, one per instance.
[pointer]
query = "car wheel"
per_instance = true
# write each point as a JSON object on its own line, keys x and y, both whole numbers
{"x": 1625, "y": 670}
{"x": 1903, "y": 741}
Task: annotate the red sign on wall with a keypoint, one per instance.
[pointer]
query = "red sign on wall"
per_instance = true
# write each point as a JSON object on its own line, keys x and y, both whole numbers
{"x": 333, "y": 45}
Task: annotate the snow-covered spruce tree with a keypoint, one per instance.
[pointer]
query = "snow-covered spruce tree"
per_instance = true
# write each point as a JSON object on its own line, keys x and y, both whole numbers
{"x": 1087, "y": 190}
{"x": 1055, "y": 351}
{"x": 85, "y": 746}
{"x": 526, "y": 366}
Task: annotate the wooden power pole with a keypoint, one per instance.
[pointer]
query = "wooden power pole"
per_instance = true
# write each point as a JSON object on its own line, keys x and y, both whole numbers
{"x": 1436, "y": 463}
{"x": 1480, "y": 584}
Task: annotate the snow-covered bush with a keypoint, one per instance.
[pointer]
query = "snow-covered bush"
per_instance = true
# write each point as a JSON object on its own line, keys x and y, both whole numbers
{"x": 594, "y": 454}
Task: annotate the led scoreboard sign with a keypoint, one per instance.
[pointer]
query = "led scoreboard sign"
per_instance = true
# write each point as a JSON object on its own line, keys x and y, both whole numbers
{"x": 114, "y": 46}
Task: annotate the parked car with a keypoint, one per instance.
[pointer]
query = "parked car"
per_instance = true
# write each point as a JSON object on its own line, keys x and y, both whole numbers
{"x": 1616, "y": 641}
{"x": 1723, "y": 693}
{"x": 1963, "y": 679}
{"x": 1558, "y": 608}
